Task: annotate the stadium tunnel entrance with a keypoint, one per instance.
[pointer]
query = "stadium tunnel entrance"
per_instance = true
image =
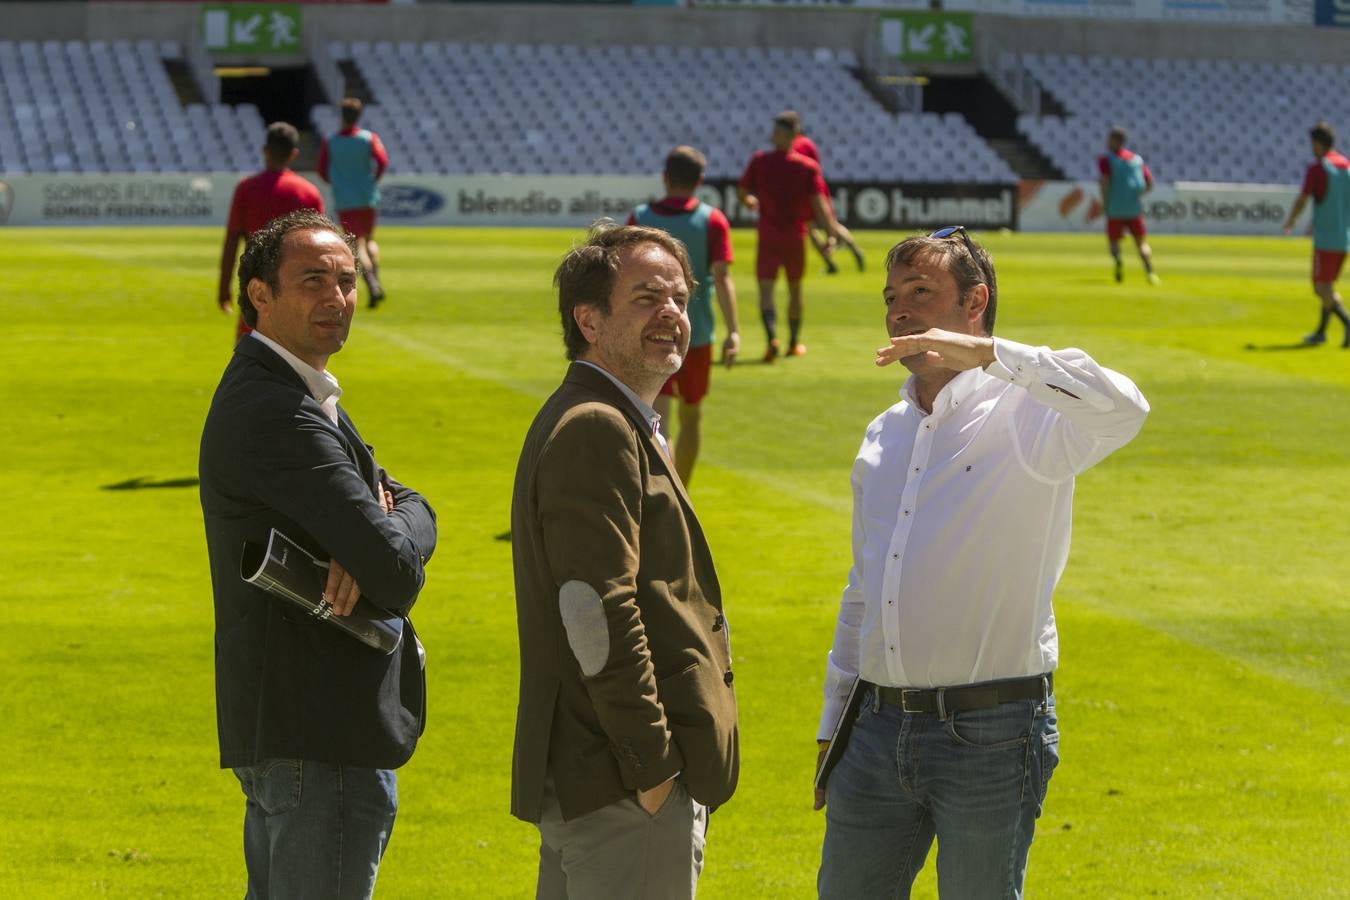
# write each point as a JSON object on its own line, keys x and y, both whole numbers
{"x": 281, "y": 95}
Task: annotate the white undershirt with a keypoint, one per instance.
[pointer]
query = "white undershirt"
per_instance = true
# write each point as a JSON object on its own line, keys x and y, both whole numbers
{"x": 323, "y": 387}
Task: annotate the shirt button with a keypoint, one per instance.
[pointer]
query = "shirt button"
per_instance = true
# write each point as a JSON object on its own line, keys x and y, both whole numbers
{"x": 906, "y": 512}
{"x": 895, "y": 556}
{"x": 728, "y": 677}
{"x": 916, "y": 468}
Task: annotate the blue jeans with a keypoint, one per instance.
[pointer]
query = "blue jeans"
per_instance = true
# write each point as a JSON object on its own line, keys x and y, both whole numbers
{"x": 974, "y": 780}
{"x": 315, "y": 830}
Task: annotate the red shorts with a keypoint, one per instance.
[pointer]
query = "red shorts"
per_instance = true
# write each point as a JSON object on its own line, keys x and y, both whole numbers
{"x": 1116, "y": 228}
{"x": 360, "y": 222}
{"x": 773, "y": 254}
{"x": 1326, "y": 265}
{"x": 690, "y": 384}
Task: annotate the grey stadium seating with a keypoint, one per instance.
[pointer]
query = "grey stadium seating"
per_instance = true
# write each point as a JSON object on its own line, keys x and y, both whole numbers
{"x": 515, "y": 108}
{"x": 1191, "y": 120}
{"x": 75, "y": 106}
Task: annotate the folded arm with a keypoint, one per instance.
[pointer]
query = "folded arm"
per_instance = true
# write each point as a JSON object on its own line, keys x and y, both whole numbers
{"x": 298, "y": 465}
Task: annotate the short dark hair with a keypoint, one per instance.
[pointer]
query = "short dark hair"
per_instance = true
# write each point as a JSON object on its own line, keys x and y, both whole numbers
{"x": 262, "y": 253}
{"x": 685, "y": 167}
{"x": 282, "y": 138}
{"x": 586, "y": 275}
{"x": 969, "y": 263}
{"x": 788, "y": 120}
{"x": 1116, "y": 134}
{"x": 1324, "y": 134}
{"x": 351, "y": 110}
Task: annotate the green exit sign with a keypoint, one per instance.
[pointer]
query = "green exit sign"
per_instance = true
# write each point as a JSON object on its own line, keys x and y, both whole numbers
{"x": 252, "y": 28}
{"x": 932, "y": 37}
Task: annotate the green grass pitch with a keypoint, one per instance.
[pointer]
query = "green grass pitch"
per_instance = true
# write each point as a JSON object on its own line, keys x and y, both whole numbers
{"x": 1205, "y": 678}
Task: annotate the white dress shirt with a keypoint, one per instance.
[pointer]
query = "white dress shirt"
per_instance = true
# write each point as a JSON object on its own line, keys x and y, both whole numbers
{"x": 961, "y": 521}
{"x": 323, "y": 387}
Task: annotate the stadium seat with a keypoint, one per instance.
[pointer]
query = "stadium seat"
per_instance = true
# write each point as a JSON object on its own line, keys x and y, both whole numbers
{"x": 1189, "y": 118}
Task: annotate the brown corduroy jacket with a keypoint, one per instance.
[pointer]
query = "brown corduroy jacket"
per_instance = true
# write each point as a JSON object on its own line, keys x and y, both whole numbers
{"x": 599, "y": 514}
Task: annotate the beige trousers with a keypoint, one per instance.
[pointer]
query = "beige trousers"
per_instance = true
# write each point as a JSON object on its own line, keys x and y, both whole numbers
{"x": 618, "y": 852}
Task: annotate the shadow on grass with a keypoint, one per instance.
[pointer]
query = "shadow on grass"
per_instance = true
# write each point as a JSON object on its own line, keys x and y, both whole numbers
{"x": 1265, "y": 348}
{"x": 144, "y": 482}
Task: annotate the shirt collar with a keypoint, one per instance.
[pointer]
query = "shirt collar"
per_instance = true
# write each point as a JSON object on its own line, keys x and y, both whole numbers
{"x": 953, "y": 393}
{"x": 649, "y": 415}
{"x": 322, "y": 385}
{"x": 670, "y": 201}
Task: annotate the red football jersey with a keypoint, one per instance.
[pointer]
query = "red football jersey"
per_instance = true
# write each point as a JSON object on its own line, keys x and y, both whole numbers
{"x": 806, "y": 147}
{"x": 784, "y": 184}
{"x": 1315, "y": 179}
{"x": 260, "y": 198}
{"x": 719, "y": 229}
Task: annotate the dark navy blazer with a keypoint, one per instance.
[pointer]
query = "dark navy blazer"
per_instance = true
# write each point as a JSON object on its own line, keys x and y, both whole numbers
{"x": 286, "y": 685}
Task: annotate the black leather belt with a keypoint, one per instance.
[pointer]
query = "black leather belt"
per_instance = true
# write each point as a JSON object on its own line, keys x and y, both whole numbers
{"x": 944, "y": 701}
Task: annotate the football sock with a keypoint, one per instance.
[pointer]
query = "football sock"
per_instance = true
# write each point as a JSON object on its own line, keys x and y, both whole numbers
{"x": 794, "y": 329}
{"x": 770, "y": 319}
{"x": 1322, "y": 321}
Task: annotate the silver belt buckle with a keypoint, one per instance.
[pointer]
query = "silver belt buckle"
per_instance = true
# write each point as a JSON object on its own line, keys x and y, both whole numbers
{"x": 904, "y": 701}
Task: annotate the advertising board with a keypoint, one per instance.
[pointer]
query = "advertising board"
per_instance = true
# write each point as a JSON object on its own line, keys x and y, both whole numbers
{"x": 552, "y": 201}
{"x": 1183, "y": 208}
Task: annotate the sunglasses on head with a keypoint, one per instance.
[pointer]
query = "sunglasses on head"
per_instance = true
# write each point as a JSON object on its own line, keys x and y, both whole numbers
{"x": 951, "y": 231}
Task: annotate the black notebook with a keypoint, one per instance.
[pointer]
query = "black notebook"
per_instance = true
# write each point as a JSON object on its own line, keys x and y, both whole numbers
{"x": 842, "y": 729}
{"x": 285, "y": 569}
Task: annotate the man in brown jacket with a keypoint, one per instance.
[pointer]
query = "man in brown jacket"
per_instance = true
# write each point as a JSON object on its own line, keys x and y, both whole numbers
{"x": 626, "y": 728}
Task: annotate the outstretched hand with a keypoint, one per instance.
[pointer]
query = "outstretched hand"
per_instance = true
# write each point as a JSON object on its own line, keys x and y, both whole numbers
{"x": 947, "y": 349}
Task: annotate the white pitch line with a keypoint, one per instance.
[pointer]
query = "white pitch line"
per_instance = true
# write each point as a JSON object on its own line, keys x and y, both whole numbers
{"x": 789, "y": 488}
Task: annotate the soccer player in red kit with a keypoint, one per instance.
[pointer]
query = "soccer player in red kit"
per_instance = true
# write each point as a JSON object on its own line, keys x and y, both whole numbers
{"x": 822, "y": 242}
{"x": 787, "y": 189}
{"x": 1124, "y": 180}
{"x": 1327, "y": 185}
{"x": 259, "y": 199}
{"x": 706, "y": 233}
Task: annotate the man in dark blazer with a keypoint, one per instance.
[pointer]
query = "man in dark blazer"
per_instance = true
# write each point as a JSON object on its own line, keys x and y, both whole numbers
{"x": 626, "y": 728}
{"x": 312, "y": 721}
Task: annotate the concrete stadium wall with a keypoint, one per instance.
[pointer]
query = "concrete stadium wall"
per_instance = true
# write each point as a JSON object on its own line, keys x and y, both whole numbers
{"x": 1170, "y": 40}
{"x": 521, "y": 23}
{"x": 497, "y": 22}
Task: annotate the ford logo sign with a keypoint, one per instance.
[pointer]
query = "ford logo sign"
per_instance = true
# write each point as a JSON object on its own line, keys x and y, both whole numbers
{"x": 407, "y": 202}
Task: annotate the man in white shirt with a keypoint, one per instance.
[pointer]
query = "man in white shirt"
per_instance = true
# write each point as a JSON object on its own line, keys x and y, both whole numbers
{"x": 962, "y": 496}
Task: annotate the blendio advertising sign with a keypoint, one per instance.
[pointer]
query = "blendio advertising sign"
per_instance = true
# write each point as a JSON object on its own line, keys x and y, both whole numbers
{"x": 1185, "y": 208}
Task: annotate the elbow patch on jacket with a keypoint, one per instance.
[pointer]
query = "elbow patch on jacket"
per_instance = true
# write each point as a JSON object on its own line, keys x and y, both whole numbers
{"x": 583, "y": 617}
